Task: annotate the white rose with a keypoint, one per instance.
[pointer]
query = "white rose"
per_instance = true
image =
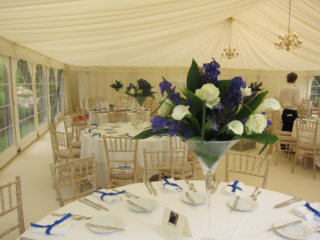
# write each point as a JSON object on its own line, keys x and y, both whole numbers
{"x": 246, "y": 91}
{"x": 236, "y": 127}
{"x": 139, "y": 91}
{"x": 132, "y": 91}
{"x": 182, "y": 86}
{"x": 164, "y": 110}
{"x": 180, "y": 112}
{"x": 256, "y": 123}
{"x": 268, "y": 103}
{"x": 210, "y": 94}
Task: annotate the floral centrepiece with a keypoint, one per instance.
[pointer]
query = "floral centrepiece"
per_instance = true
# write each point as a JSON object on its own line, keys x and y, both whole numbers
{"x": 141, "y": 89}
{"x": 211, "y": 109}
{"x": 117, "y": 85}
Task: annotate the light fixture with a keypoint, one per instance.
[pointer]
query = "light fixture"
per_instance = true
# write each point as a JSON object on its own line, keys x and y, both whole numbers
{"x": 230, "y": 52}
{"x": 285, "y": 41}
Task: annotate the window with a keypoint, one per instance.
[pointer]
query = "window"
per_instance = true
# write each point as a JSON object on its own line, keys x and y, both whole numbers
{"x": 52, "y": 92}
{"x": 315, "y": 91}
{"x": 25, "y": 99}
{"x": 61, "y": 108}
{"x": 41, "y": 95}
{"x": 6, "y": 133}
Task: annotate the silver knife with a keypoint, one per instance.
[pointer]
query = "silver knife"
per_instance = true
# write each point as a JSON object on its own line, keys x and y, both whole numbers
{"x": 292, "y": 199}
{"x": 285, "y": 225}
{"x": 253, "y": 194}
{"x": 96, "y": 204}
{"x": 194, "y": 188}
{"x": 107, "y": 227}
{"x": 154, "y": 191}
{"x": 191, "y": 200}
{"x": 215, "y": 188}
{"x": 286, "y": 203}
{"x": 91, "y": 205}
{"x": 148, "y": 188}
{"x": 142, "y": 208}
{"x": 235, "y": 203}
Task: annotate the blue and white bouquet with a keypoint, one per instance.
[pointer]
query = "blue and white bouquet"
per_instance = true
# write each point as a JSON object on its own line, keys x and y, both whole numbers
{"x": 117, "y": 84}
{"x": 141, "y": 89}
{"x": 211, "y": 109}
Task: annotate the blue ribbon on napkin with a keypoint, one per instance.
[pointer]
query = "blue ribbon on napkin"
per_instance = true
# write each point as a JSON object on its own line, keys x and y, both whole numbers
{"x": 103, "y": 194}
{"x": 124, "y": 167}
{"x": 123, "y": 121}
{"x": 49, "y": 227}
{"x": 234, "y": 186}
{"x": 172, "y": 184}
{"x": 312, "y": 209}
{"x": 147, "y": 109}
{"x": 91, "y": 130}
{"x": 94, "y": 124}
{"x": 96, "y": 134}
{"x": 128, "y": 135}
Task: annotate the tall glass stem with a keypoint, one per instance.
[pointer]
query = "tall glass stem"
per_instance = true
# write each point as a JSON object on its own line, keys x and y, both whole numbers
{"x": 208, "y": 179}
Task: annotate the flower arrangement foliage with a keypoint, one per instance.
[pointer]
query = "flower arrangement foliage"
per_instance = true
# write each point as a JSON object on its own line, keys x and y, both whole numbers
{"x": 211, "y": 110}
{"x": 117, "y": 84}
{"x": 141, "y": 89}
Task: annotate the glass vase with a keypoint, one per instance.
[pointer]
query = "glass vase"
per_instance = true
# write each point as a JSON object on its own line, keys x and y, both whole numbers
{"x": 209, "y": 155}
{"x": 140, "y": 101}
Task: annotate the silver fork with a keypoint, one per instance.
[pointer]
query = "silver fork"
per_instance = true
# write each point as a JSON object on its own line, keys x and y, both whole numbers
{"x": 125, "y": 193}
{"x": 135, "y": 196}
{"x": 190, "y": 187}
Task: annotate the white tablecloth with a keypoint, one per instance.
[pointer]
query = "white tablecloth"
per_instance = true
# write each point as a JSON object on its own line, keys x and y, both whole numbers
{"x": 102, "y": 118}
{"x": 224, "y": 225}
{"x": 90, "y": 145}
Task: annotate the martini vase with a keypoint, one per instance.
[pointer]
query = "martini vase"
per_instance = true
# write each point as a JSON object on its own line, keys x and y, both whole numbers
{"x": 209, "y": 155}
{"x": 140, "y": 101}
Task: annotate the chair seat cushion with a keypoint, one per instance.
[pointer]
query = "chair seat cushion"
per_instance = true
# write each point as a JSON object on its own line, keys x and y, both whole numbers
{"x": 308, "y": 147}
{"x": 287, "y": 139}
{"x": 140, "y": 171}
{"x": 65, "y": 153}
{"x": 76, "y": 144}
{"x": 187, "y": 167}
{"x": 285, "y": 133}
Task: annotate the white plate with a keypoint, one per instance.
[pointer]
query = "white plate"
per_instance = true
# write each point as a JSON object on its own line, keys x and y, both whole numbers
{"x": 110, "y": 132}
{"x": 112, "y": 221}
{"x": 244, "y": 204}
{"x": 87, "y": 133}
{"x": 108, "y": 129}
{"x": 198, "y": 198}
{"x": 115, "y": 126}
{"x": 147, "y": 203}
{"x": 298, "y": 231}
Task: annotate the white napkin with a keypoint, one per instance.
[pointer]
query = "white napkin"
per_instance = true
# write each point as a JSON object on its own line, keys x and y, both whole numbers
{"x": 61, "y": 229}
{"x": 109, "y": 198}
{"x": 306, "y": 213}
{"x": 228, "y": 189}
{"x": 169, "y": 188}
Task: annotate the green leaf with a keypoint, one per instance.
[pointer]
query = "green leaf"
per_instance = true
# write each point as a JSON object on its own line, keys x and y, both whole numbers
{"x": 264, "y": 138}
{"x": 208, "y": 132}
{"x": 204, "y": 107}
{"x": 147, "y": 132}
{"x": 158, "y": 107}
{"x": 195, "y": 123}
{"x": 253, "y": 105}
{"x": 224, "y": 85}
{"x": 196, "y": 103}
{"x": 194, "y": 79}
{"x": 195, "y": 138}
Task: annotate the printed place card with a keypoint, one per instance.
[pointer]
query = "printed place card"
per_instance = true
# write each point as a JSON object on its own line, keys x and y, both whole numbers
{"x": 173, "y": 225}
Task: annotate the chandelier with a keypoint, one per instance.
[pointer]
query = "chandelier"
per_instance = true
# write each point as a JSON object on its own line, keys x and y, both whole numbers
{"x": 285, "y": 41}
{"x": 230, "y": 52}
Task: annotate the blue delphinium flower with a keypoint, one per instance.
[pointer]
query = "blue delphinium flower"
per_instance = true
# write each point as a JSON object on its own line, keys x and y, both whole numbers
{"x": 175, "y": 97}
{"x": 215, "y": 127}
{"x": 269, "y": 123}
{"x": 209, "y": 73}
{"x": 173, "y": 127}
{"x": 165, "y": 85}
{"x": 186, "y": 131}
{"x": 158, "y": 123}
{"x": 233, "y": 96}
{"x": 222, "y": 115}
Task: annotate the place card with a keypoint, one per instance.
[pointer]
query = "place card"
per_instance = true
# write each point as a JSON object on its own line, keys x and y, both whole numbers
{"x": 173, "y": 225}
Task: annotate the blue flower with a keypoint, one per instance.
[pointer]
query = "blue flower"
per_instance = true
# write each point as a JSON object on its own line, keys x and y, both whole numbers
{"x": 173, "y": 127}
{"x": 269, "y": 123}
{"x": 158, "y": 123}
{"x": 175, "y": 97}
{"x": 165, "y": 85}
{"x": 209, "y": 73}
{"x": 233, "y": 96}
{"x": 215, "y": 127}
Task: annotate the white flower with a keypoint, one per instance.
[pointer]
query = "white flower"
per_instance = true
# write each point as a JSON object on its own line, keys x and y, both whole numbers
{"x": 256, "y": 123}
{"x": 268, "y": 103}
{"x": 164, "y": 110}
{"x": 236, "y": 126}
{"x": 139, "y": 91}
{"x": 180, "y": 112}
{"x": 182, "y": 86}
{"x": 132, "y": 91}
{"x": 210, "y": 94}
{"x": 246, "y": 91}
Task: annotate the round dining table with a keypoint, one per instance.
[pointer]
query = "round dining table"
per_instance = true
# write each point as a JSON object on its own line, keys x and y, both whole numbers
{"x": 225, "y": 225}
{"x": 95, "y": 145}
{"x": 97, "y": 117}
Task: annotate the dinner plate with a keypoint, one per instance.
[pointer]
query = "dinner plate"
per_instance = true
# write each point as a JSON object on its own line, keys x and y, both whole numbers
{"x": 147, "y": 203}
{"x": 115, "y": 126}
{"x": 198, "y": 198}
{"x": 87, "y": 133}
{"x": 109, "y": 220}
{"x": 108, "y": 129}
{"x": 110, "y": 132}
{"x": 298, "y": 231}
{"x": 244, "y": 204}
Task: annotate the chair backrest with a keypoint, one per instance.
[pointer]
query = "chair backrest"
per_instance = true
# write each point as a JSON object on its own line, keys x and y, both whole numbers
{"x": 67, "y": 120}
{"x": 117, "y": 116}
{"x": 303, "y": 109}
{"x": 307, "y": 132}
{"x": 153, "y": 160}
{"x": 60, "y": 141}
{"x": 276, "y": 123}
{"x": 74, "y": 173}
{"x": 249, "y": 165}
{"x": 124, "y": 145}
{"x": 17, "y": 204}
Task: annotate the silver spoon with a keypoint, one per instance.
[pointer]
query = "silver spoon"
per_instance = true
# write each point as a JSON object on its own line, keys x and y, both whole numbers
{"x": 255, "y": 198}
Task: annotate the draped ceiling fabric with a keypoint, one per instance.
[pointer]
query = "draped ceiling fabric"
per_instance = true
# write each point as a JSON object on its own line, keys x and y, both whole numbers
{"x": 104, "y": 39}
